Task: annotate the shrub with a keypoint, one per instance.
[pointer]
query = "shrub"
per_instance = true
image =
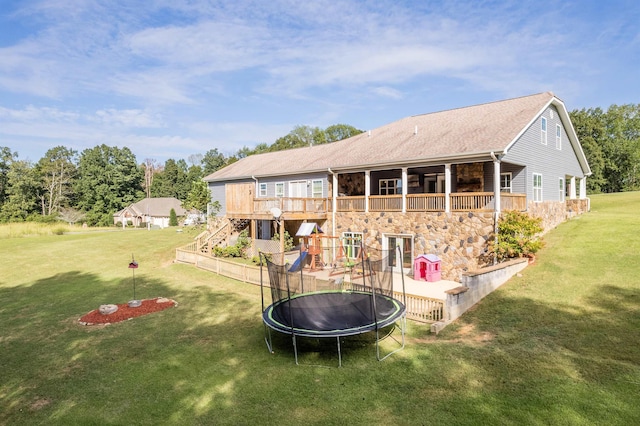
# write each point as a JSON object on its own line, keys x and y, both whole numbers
{"x": 237, "y": 250}
{"x": 173, "y": 218}
{"x": 288, "y": 240}
{"x": 518, "y": 236}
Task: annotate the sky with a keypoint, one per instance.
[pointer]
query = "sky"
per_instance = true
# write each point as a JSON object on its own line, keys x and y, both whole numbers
{"x": 177, "y": 78}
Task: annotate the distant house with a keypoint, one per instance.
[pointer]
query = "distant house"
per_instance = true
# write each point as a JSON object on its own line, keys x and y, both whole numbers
{"x": 431, "y": 183}
{"x": 153, "y": 211}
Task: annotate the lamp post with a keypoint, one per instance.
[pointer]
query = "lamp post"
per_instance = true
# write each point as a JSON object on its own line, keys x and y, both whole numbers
{"x": 133, "y": 265}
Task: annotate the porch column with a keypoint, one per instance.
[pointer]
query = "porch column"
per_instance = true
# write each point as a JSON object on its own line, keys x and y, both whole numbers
{"x": 334, "y": 192}
{"x": 447, "y": 187}
{"x": 583, "y": 188}
{"x": 282, "y": 239}
{"x": 496, "y": 184}
{"x": 367, "y": 189}
{"x": 404, "y": 189}
{"x": 572, "y": 188}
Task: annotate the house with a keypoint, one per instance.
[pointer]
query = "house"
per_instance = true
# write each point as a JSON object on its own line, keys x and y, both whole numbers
{"x": 432, "y": 183}
{"x": 149, "y": 211}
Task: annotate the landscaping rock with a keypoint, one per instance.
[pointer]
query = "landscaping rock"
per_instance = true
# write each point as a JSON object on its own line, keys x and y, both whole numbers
{"x": 107, "y": 309}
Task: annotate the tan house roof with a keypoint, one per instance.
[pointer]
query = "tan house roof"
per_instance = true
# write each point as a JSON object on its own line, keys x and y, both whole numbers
{"x": 156, "y": 207}
{"x": 460, "y": 134}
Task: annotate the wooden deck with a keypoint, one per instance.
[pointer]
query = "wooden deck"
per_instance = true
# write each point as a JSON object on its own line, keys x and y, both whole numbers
{"x": 319, "y": 208}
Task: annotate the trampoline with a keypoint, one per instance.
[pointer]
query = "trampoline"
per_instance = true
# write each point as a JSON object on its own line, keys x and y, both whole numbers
{"x": 304, "y": 307}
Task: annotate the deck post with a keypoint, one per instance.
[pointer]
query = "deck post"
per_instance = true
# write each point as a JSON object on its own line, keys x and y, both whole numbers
{"x": 447, "y": 187}
{"x": 404, "y": 189}
{"x": 496, "y": 184}
{"x": 367, "y": 189}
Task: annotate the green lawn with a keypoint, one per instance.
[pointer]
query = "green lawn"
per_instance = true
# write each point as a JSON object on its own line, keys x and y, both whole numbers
{"x": 558, "y": 345}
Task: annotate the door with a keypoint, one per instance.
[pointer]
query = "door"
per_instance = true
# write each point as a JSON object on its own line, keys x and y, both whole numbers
{"x": 298, "y": 189}
{"x": 401, "y": 262}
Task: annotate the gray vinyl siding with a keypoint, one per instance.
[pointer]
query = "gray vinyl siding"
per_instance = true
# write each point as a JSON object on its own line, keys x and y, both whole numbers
{"x": 272, "y": 181}
{"x": 546, "y": 160}
{"x": 518, "y": 177}
{"x": 218, "y": 193}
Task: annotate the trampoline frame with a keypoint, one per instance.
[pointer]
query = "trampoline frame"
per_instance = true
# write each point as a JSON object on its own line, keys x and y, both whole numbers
{"x": 396, "y": 320}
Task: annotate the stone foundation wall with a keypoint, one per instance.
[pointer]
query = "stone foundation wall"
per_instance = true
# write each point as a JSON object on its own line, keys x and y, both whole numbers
{"x": 553, "y": 213}
{"x": 459, "y": 239}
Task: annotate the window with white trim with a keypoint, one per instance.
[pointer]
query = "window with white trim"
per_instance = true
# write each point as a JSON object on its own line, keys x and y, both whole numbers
{"x": 537, "y": 187}
{"x": 262, "y": 190}
{"x": 561, "y": 188}
{"x": 505, "y": 182}
{"x": 316, "y": 188}
{"x": 279, "y": 189}
{"x": 390, "y": 186}
{"x": 543, "y": 129}
{"x": 351, "y": 242}
{"x": 558, "y": 137}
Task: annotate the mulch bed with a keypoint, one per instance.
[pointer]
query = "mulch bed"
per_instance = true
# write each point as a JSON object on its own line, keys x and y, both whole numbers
{"x": 124, "y": 312}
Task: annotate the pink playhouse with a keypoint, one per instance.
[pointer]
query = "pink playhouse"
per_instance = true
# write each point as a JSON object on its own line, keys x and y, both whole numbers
{"x": 427, "y": 267}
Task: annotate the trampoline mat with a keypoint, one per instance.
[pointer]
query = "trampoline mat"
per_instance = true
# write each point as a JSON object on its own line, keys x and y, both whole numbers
{"x": 334, "y": 313}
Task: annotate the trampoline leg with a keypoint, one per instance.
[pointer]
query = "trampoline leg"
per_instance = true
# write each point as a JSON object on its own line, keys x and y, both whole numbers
{"x": 295, "y": 348}
{"x": 267, "y": 338}
{"x": 403, "y": 325}
{"x": 339, "y": 352}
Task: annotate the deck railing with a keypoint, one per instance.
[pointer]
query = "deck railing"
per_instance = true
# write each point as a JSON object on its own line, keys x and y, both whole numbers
{"x": 290, "y": 204}
{"x": 385, "y": 203}
{"x": 425, "y": 202}
{"x": 462, "y": 201}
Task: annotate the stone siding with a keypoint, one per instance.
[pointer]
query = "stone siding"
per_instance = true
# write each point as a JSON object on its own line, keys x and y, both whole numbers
{"x": 459, "y": 239}
{"x": 553, "y": 213}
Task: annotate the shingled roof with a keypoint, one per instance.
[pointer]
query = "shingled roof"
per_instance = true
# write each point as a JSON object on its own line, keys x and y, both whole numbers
{"x": 158, "y": 207}
{"x": 463, "y": 133}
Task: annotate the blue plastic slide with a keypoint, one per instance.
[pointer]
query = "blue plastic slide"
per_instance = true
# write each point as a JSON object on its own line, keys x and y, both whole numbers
{"x": 299, "y": 263}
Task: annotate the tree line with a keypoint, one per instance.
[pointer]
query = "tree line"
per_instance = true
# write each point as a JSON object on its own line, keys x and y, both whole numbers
{"x": 611, "y": 142}
{"x": 92, "y": 185}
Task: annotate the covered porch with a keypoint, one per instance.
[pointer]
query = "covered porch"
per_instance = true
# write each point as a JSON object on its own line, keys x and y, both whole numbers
{"x": 478, "y": 186}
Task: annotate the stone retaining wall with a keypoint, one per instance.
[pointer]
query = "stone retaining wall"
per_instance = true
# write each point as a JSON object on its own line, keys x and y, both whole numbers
{"x": 459, "y": 239}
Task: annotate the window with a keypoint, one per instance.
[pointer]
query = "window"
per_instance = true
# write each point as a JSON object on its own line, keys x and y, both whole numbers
{"x": 558, "y": 137}
{"x": 351, "y": 242}
{"x": 279, "y": 189}
{"x": 544, "y": 131}
{"x": 434, "y": 183}
{"x": 561, "y": 188}
{"x": 390, "y": 186}
{"x": 316, "y": 189}
{"x": 537, "y": 187}
{"x": 505, "y": 182}
{"x": 262, "y": 191}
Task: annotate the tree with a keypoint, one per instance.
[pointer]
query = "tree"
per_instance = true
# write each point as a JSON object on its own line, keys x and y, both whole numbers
{"x": 57, "y": 170}
{"x": 590, "y": 128}
{"x": 212, "y": 161}
{"x": 22, "y": 192}
{"x": 108, "y": 180}
{"x": 173, "y": 218}
{"x": 611, "y": 142}
{"x": 6, "y": 158}
{"x": 151, "y": 167}
{"x": 171, "y": 182}
{"x": 198, "y": 197}
{"x": 338, "y": 132}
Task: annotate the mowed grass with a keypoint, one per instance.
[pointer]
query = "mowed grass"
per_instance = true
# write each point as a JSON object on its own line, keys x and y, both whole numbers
{"x": 557, "y": 345}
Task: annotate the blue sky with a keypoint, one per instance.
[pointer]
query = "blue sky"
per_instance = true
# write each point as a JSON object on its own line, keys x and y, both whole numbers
{"x": 171, "y": 78}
